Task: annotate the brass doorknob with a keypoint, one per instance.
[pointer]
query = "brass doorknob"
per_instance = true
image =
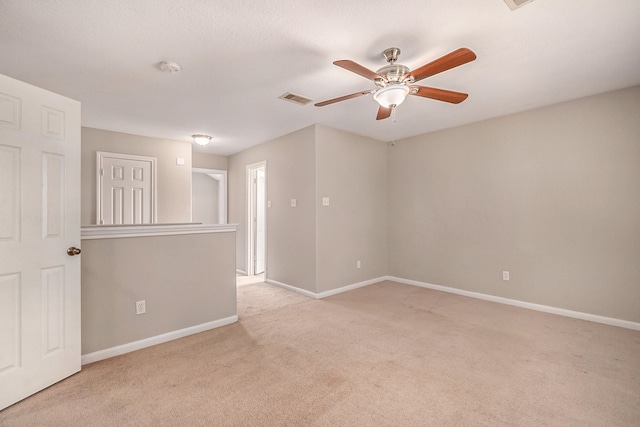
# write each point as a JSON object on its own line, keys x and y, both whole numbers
{"x": 73, "y": 251}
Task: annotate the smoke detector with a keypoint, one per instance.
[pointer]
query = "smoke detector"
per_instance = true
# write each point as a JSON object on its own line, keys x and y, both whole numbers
{"x": 170, "y": 67}
{"x": 514, "y": 4}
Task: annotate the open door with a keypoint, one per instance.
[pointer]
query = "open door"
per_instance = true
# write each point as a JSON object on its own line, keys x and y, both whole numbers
{"x": 256, "y": 218}
{"x": 261, "y": 221}
{"x": 39, "y": 239}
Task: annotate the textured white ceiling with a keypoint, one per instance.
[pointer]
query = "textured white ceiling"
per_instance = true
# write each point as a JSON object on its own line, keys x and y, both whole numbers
{"x": 238, "y": 56}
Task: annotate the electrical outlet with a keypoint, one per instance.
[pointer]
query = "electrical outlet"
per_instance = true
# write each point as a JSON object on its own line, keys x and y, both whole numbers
{"x": 505, "y": 275}
{"x": 141, "y": 307}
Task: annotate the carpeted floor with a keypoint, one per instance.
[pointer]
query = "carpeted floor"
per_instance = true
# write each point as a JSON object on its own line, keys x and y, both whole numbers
{"x": 386, "y": 354}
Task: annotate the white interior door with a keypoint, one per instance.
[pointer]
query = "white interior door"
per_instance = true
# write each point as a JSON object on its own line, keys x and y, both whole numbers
{"x": 261, "y": 222}
{"x": 256, "y": 218}
{"x": 125, "y": 188}
{"x": 39, "y": 220}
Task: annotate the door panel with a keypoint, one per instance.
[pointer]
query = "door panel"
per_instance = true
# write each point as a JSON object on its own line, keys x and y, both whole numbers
{"x": 53, "y": 195}
{"x": 39, "y": 220}
{"x": 53, "y": 310}
{"x": 10, "y": 333}
{"x": 10, "y": 188}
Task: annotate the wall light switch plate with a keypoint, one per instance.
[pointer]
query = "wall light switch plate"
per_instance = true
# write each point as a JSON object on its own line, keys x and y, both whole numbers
{"x": 180, "y": 161}
{"x": 268, "y": 203}
{"x": 325, "y": 201}
{"x": 294, "y": 203}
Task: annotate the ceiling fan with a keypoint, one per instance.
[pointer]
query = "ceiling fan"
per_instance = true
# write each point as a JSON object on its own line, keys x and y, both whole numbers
{"x": 395, "y": 81}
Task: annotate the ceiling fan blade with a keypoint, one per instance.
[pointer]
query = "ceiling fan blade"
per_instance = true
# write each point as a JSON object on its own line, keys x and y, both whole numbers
{"x": 342, "y": 98}
{"x": 358, "y": 69}
{"x": 383, "y": 113}
{"x": 444, "y": 63}
{"x": 439, "y": 94}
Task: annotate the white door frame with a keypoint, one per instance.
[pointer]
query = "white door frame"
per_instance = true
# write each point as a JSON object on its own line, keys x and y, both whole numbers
{"x": 220, "y": 176}
{"x": 251, "y": 226}
{"x": 100, "y": 155}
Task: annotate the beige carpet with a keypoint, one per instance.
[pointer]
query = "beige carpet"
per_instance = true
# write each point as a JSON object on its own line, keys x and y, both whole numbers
{"x": 248, "y": 280}
{"x": 386, "y": 354}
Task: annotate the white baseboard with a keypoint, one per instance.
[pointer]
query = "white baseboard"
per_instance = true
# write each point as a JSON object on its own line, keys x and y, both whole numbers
{"x": 349, "y": 287}
{"x": 292, "y": 288}
{"x": 329, "y": 292}
{"x": 522, "y": 304}
{"x": 244, "y": 273}
{"x": 158, "y": 339}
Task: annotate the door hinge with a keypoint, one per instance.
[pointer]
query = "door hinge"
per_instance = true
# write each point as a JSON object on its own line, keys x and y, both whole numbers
{"x": 101, "y": 172}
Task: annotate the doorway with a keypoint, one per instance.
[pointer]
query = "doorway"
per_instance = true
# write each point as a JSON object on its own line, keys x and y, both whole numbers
{"x": 256, "y": 218}
{"x": 209, "y": 196}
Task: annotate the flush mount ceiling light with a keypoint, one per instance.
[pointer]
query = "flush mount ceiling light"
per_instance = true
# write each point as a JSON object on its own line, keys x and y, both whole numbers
{"x": 201, "y": 140}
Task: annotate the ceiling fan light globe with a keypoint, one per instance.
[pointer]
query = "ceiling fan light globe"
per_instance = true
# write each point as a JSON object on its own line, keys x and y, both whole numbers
{"x": 391, "y": 95}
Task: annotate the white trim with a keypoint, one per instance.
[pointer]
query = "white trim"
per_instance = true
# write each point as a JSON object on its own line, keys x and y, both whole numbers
{"x": 158, "y": 339}
{"x": 244, "y": 273}
{"x": 349, "y": 287}
{"x": 328, "y": 293}
{"x": 145, "y": 230}
{"x": 522, "y": 304}
{"x": 293, "y": 288}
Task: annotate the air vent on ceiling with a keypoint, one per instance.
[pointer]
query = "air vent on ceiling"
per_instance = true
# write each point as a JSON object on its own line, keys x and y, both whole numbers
{"x": 297, "y": 99}
{"x": 514, "y": 4}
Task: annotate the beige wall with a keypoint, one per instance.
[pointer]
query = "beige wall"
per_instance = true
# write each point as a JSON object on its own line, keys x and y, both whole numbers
{"x": 314, "y": 247}
{"x": 352, "y": 171}
{"x": 186, "y": 280}
{"x": 209, "y": 161}
{"x": 551, "y": 195}
{"x": 291, "y": 250}
{"x": 174, "y": 181}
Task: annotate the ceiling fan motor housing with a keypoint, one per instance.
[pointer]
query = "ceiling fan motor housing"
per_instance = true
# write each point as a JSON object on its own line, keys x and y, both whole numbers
{"x": 392, "y": 74}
